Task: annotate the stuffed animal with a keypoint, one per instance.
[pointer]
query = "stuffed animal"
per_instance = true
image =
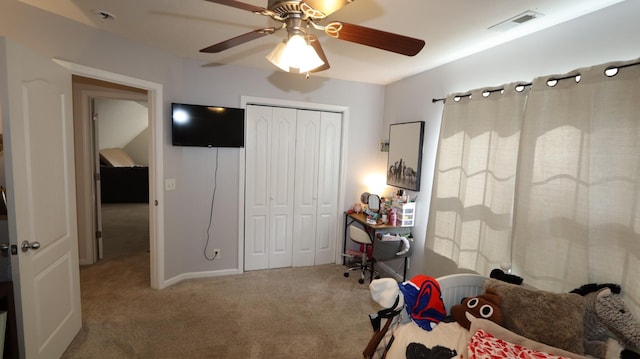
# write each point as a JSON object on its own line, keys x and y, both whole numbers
{"x": 485, "y": 306}
{"x": 423, "y": 301}
{"x": 606, "y": 312}
{"x": 420, "y": 296}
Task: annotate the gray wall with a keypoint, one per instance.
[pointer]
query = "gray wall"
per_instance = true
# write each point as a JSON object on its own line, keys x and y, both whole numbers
{"x": 187, "y": 208}
{"x": 193, "y": 167}
{"x": 607, "y": 35}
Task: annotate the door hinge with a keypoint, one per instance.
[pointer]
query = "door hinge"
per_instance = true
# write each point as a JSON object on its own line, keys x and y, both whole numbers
{"x": 98, "y": 234}
{"x": 96, "y": 176}
{"x": 95, "y": 116}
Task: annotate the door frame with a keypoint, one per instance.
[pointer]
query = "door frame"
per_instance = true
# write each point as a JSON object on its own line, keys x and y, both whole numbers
{"x": 156, "y": 195}
{"x": 344, "y": 110}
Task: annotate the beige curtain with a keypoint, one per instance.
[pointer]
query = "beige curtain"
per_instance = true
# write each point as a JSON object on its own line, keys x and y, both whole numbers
{"x": 577, "y": 217}
{"x": 556, "y": 199}
{"x": 472, "y": 200}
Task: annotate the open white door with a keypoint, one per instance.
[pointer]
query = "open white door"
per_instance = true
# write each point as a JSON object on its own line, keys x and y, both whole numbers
{"x": 35, "y": 100}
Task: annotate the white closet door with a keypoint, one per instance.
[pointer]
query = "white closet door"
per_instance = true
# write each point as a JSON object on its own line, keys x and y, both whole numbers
{"x": 328, "y": 183}
{"x": 292, "y": 178}
{"x": 257, "y": 190}
{"x": 306, "y": 188}
{"x": 282, "y": 165}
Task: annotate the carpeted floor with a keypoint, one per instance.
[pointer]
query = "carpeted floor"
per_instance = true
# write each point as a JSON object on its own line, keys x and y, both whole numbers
{"x": 125, "y": 229}
{"x": 308, "y": 312}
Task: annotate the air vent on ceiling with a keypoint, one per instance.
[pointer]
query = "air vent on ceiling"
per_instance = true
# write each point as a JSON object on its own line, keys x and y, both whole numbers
{"x": 517, "y": 20}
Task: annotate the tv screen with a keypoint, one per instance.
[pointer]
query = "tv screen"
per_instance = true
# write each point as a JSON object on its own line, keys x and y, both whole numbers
{"x": 207, "y": 126}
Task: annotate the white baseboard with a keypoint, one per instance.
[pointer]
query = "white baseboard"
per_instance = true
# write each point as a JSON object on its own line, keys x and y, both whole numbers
{"x": 196, "y": 275}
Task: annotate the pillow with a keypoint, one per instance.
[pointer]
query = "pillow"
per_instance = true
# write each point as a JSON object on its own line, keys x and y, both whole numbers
{"x": 508, "y": 336}
{"x": 116, "y": 157}
{"x": 554, "y": 319}
{"x": 483, "y": 345}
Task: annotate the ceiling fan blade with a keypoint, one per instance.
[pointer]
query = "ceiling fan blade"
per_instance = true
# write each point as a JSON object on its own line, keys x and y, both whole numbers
{"x": 315, "y": 43}
{"x": 375, "y": 38}
{"x": 238, "y": 40}
{"x": 327, "y": 7}
{"x": 241, "y": 5}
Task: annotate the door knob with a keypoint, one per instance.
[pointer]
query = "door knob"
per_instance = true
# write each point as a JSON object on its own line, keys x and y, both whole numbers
{"x": 4, "y": 247}
{"x": 26, "y": 245}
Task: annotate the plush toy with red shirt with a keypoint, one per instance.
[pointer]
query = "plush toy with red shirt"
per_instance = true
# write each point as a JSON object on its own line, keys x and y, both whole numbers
{"x": 420, "y": 296}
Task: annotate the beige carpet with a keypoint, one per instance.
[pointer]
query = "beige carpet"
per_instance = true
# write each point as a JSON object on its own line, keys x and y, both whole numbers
{"x": 125, "y": 229}
{"x": 309, "y": 312}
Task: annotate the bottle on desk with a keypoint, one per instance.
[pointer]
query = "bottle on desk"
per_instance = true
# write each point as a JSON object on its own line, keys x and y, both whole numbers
{"x": 392, "y": 217}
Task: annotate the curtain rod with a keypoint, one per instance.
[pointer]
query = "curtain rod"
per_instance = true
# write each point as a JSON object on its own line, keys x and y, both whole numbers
{"x": 484, "y": 92}
{"x": 572, "y": 76}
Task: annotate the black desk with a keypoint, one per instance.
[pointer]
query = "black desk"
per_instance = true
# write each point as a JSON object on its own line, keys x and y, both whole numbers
{"x": 375, "y": 231}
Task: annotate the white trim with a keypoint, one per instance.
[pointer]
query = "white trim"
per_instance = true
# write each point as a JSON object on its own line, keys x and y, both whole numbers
{"x": 197, "y": 275}
{"x": 343, "y": 183}
{"x": 344, "y": 110}
{"x": 156, "y": 193}
{"x": 250, "y": 100}
{"x": 241, "y": 185}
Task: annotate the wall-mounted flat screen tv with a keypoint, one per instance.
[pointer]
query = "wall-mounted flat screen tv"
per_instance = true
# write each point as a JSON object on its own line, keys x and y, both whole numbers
{"x": 206, "y": 126}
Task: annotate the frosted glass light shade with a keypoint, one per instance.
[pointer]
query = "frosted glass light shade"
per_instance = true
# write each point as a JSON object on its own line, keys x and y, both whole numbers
{"x": 296, "y": 56}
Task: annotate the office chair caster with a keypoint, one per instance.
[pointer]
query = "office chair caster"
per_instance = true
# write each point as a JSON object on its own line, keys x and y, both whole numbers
{"x": 346, "y": 274}
{"x": 361, "y": 280}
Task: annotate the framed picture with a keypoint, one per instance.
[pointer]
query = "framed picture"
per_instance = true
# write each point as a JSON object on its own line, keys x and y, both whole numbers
{"x": 405, "y": 155}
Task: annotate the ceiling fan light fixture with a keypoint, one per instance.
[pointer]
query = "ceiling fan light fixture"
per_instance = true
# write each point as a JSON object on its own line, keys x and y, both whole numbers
{"x": 295, "y": 56}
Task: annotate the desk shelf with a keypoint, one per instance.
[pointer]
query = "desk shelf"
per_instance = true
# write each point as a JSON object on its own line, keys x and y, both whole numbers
{"x": 406, "y": 213}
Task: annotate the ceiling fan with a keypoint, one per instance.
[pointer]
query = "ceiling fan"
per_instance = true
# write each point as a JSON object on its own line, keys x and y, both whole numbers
{"x": 298, "y": 17}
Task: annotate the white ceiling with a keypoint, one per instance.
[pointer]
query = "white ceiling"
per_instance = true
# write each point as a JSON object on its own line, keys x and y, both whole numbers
{"x": 452, "y": 29}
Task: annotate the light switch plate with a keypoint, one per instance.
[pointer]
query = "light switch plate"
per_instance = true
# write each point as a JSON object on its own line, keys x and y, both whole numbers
{"x": 170, "y": 184}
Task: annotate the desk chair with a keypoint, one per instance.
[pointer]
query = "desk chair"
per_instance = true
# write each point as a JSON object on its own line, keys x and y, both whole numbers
{"x": 358, "y": 235}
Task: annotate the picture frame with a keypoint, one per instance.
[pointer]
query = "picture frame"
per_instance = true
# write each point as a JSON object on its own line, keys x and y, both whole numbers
{"x": 405, "y": 155}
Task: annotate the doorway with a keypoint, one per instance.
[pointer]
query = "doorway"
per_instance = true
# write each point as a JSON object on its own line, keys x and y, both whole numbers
{"x": 107, "y": 117}
{"x": 121, "y": 158}
{"x": 84, "y": 182}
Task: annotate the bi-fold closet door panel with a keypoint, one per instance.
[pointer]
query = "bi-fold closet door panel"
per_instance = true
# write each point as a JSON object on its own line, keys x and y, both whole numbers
{"x": 292, "y": 176}
{"x": 328, "y": 187}
{"x": 316, "y": 192}
{"x": 270, "y": 155}
{"x": 306, "y": 187}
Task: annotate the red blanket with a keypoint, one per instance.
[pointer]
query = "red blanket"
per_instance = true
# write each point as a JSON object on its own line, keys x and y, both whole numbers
{"x": 485, "y": 346}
